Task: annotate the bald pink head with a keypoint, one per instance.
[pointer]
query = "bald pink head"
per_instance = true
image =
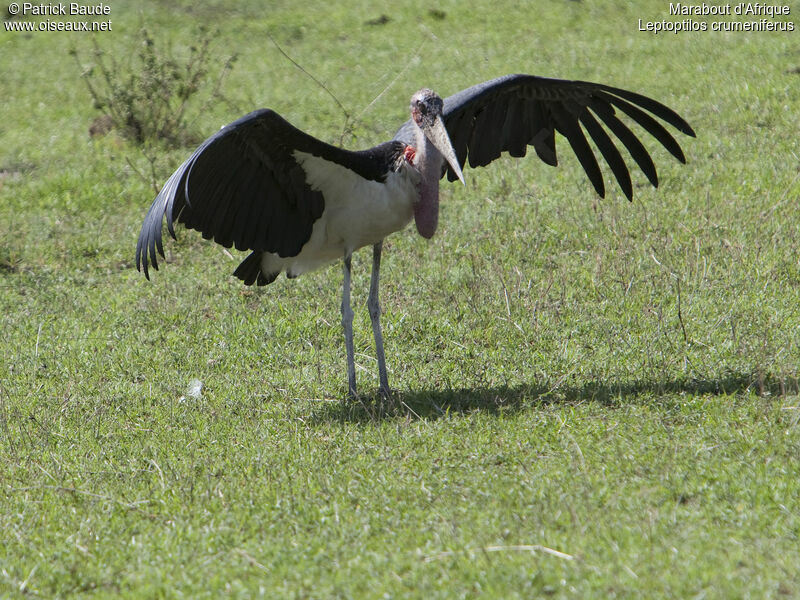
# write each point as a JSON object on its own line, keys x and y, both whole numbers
{"x": 433, "y": 145}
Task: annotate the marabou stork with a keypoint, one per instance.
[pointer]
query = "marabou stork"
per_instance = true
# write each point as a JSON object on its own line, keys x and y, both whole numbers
{"x": 298, "y": 203}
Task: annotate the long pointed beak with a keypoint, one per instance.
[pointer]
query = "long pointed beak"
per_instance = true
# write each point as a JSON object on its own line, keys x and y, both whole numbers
{"x": 437, "y": 134}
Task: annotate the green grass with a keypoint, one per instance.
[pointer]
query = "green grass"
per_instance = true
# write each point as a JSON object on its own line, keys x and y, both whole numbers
{"x": 595, "y": 398}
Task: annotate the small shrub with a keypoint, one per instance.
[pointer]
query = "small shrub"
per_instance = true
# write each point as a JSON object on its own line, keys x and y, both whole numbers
{"x": 147, "y": 99}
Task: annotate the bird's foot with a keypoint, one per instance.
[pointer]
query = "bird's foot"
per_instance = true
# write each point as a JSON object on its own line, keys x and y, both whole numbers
{"x": 387, "y": 398}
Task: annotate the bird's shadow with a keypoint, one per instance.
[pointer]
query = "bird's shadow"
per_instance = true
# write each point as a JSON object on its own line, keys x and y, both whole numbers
{"x": 434, "y": 404}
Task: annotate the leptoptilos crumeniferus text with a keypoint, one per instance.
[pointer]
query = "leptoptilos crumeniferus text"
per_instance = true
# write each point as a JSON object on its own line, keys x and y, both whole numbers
{"x": 298, "y": 203}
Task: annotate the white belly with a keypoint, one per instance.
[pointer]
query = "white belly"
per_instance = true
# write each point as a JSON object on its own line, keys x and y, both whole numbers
{"x": 358, "y": 212}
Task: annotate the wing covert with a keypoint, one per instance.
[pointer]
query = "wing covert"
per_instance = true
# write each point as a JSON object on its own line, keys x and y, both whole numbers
{"x": 242, "y": 187}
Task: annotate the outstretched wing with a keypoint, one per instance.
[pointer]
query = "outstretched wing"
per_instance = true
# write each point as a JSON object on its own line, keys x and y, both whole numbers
{"x": 510, "y": 113}
{"x": 243, "y": 186}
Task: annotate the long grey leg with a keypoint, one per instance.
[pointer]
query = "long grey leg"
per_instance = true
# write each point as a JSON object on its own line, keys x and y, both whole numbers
{"x": 375, "y": 316}
{"x": 347, "y": 324}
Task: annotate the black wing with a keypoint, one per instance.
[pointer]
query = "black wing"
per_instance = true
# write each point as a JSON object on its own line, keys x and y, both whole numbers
{"x": 243, "y": 187}
{"x": 510, "y": 113}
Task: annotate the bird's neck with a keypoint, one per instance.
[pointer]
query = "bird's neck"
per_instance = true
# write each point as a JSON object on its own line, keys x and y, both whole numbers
{"x": 429, "y": 163}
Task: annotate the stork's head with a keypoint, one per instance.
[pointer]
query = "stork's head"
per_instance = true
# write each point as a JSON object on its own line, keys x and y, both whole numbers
{"x": 426, "y": 112}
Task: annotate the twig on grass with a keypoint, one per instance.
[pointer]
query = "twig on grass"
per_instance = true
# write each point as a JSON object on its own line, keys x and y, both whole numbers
{"x": 413, "y": 61}
{"x": 533, "y": 548}
{"x": 72, "y": 490}
{"x": 680, "y": 315}
{"x": 23, "y": 587}
{"x": 250, "y": 559}
{"x": 768, "y": 213}
{"x": 315, "y": 80}
{"x": 38, "y": 335}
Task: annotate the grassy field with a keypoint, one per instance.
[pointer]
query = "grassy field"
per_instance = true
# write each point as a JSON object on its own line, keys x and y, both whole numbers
{"x": 596, "y": 398}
